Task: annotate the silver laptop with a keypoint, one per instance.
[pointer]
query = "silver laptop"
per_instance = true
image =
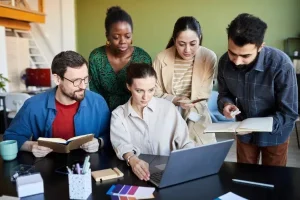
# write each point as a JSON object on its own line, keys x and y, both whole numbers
{"x": 188, "y": 164}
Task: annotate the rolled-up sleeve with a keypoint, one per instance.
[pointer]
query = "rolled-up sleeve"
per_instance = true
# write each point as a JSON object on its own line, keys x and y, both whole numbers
{"x": 120, "y": 137}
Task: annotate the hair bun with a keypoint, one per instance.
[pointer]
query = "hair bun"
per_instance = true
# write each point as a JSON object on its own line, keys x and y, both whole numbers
{"x": 113, "y": 9}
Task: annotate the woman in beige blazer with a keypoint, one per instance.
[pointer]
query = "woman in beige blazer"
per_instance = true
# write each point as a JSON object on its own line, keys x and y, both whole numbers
{"x": 185, "y": 71}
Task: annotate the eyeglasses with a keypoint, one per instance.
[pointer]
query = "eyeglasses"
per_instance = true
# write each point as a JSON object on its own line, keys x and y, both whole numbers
{"x": 78, "y": 81}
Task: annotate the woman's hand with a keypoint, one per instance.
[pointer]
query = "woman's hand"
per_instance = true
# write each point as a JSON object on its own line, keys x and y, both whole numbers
{"x": 185, "y": 106}
{"x": 140, "y": 168}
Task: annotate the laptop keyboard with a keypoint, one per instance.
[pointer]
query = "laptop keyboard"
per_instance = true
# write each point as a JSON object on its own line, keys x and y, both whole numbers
{"x": 156, "y": 177}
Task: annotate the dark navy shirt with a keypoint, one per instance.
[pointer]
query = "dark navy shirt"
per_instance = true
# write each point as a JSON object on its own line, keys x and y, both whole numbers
{"x": 268, "y": 89}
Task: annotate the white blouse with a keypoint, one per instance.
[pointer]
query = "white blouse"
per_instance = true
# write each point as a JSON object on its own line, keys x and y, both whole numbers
{"x": 161, "y": 130}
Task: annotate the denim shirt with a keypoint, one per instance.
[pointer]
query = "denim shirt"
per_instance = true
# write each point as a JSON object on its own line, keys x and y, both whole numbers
{"x": 268, "y": 89}
{"x": 36, "y": 116}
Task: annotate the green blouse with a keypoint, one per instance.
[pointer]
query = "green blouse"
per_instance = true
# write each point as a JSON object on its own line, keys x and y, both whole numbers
{"x": 111, "y": 85}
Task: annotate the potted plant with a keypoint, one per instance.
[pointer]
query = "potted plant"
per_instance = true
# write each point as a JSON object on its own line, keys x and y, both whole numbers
{"x": 3, "y": 82}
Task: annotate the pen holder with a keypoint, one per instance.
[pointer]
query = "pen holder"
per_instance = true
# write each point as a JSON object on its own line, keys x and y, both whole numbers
{"x": 80, "y": 185}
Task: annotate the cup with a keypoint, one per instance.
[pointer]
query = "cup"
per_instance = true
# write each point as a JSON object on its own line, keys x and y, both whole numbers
{"x": 9, "y": 149}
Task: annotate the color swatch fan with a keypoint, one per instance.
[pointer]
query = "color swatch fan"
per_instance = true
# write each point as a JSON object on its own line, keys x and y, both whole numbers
{"x": 130, "y": 192}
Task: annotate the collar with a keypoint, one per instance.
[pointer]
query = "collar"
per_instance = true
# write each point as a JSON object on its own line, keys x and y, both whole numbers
{"x": 259, "y": 66}
{"x": 130, "y": 111}
{"x": 51, "y": 99}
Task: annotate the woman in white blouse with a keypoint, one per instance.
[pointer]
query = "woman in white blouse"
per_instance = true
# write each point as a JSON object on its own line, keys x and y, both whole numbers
{"x": 146, "y": 124}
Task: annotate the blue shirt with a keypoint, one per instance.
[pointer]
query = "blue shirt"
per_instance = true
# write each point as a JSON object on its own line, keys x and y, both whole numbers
{"x": 268, "y": 89}
{"x": 36, "y": 116}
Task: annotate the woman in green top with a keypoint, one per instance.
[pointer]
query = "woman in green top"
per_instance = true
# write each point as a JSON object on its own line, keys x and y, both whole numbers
{"x": 107, "y": 64}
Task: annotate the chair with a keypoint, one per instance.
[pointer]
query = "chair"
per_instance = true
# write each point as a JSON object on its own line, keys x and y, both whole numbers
{"x": 14, "y": 102}
{"x": 215, "y": 115}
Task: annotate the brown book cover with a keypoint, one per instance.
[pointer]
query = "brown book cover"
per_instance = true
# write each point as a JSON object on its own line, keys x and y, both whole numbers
{"x": 60, "y": 145}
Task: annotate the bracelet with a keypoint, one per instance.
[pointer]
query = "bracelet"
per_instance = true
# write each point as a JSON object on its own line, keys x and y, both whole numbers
{"x": 128, "y": 159}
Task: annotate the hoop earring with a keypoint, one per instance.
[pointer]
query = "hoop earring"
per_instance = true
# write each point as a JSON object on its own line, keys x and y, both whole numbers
{"x": 107, "y": 43}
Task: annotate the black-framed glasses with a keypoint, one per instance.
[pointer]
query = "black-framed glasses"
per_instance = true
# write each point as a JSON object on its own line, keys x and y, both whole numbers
{"x": 78, "y": 81}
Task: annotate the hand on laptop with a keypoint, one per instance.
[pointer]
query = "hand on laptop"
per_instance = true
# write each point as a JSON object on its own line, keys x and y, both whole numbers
{"x": 91, "y": 146}
{"x": 185, "y": 106}
{"x": 140, "y": 168}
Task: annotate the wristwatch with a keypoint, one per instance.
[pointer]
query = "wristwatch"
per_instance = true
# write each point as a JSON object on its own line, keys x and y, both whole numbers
{"x": 101, "y": 142}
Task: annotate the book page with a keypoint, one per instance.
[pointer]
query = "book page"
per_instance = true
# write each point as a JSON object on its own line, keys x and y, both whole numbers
{"x": 77, "y": 137}
{"x": 55, "y": 140}
{"x": 258, "y": 124}
{"x": 222, "y": 127}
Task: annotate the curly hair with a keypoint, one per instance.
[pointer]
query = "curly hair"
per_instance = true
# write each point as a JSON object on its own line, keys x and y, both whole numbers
{"x": 247, "y": 29}
{"x": 116, "y": 14}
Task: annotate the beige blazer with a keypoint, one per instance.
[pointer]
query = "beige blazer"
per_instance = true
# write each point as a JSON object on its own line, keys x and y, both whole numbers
{"x": 202, "y": 82}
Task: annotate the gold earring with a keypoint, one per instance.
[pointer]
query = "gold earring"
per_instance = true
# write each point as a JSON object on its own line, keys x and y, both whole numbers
{"x": 107, "y": 43}
{"x": 131, "y": 41}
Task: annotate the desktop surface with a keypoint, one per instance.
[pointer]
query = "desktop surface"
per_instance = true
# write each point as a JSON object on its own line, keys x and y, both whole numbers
{"x": 285, "y": 179}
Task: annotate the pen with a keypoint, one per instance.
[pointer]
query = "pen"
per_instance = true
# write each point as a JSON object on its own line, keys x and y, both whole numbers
{"x": 86, "y": 160}
{"x": 69, "y": 170}
{"x": 78, "y": 168}
{"x": 87, "y": 166}
{"x": 253, "y": 183}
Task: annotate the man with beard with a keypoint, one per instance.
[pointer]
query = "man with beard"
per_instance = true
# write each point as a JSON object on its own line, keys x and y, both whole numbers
{"x": 258, "y": 81}
{"x": 65, "y": 111}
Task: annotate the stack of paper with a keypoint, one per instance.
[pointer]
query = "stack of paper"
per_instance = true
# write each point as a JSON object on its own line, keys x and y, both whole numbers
{"x": 130, "y": 192}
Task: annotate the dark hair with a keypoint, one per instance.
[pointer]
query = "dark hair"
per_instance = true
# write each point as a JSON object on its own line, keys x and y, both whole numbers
{"x": 247, "y": 29}
{"x": 116, "y": 14}
{"x": 139, "y": 70}
{"x": 185, "y": 23}
{"x": 66, "y": 59}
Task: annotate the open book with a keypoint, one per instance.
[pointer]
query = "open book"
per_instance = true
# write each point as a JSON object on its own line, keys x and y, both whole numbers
{"x": 60, "y": 145}
{"x": 258, "y": 124}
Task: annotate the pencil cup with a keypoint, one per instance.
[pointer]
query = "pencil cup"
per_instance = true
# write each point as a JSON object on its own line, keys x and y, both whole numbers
{"x": 80, "y": 185}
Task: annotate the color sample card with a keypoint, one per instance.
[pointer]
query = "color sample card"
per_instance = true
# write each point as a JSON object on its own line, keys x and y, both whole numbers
{"x": 131, "y": 191}
{"x": 122, "y": 198}
{"x": 230, "y": 196}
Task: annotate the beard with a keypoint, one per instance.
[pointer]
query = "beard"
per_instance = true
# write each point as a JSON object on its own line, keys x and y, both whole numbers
{"x": 246, "y": 66}
{"x": 73, "y": 95}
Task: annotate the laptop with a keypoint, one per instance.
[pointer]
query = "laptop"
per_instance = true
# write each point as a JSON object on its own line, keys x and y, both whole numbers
{"x": 188, "y": 164}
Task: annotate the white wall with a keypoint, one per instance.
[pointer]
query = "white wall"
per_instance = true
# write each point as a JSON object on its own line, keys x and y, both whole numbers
{"x": 3, "y": 57}
{"x": 58, "y": 33}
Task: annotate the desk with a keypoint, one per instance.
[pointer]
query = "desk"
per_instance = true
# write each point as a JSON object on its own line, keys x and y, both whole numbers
{"x": 285, "y": 179}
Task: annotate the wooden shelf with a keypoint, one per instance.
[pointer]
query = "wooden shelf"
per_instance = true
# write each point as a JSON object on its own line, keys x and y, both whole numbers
{"x": 11, "y": 12}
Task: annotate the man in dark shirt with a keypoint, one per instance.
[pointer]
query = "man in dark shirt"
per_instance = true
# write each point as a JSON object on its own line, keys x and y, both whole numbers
{"x": 259, "y": 81}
